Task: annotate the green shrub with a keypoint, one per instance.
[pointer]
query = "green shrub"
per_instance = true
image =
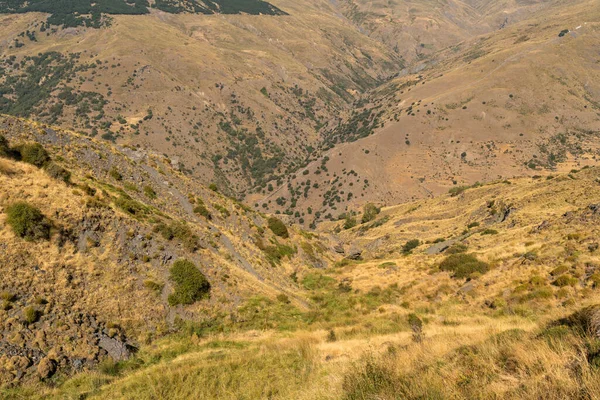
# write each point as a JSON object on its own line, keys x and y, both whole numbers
{"x": 4, "y": 147}
{"x": 27, "y": 221}
{"x": 31, "y": 315}
{"x": 350, "y": 222}
{"x": 115, "y": 174}
{"x": 473, "y": 225}
{"x": 463, "y": 265}
{"x": 561, "y": 269}
{"x": 457, "y": 248}
{"x": 455, "y": 191}
{"x": 154, "y": 286}
{"x": 131, "y": 206}
{"x": 201, "y": 210}
{"x": 180, "y": 231}
{"x": 278, "y": 227}
{"x": 190, "y": 284}
{"x": 489, "y": 232}
{"x": 565, "y": 280}
{"x": 213, "y": 187}
{"x": 34, "y": 153}
{"x": 410, "y": 246}
{"x": 55, "y": 171}
{"x": 149, "y": 192}
{"x": 370, "y": 211}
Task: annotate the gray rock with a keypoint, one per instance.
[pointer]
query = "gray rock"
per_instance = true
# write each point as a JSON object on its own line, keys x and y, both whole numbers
{"x": 115, "y": 348}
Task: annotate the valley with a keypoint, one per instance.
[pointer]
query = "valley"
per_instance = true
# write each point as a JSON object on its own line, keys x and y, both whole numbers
{"x": 299, "y": 200}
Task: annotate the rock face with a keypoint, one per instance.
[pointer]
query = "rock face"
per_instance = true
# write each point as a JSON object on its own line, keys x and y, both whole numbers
{"x": 115, "y": 348}
{"x": 354, "y": 253}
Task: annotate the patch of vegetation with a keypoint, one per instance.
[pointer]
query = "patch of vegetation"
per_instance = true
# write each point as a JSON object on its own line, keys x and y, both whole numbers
{"x": 34, "y": 154}
{"x": 252, "y": 7}
{"x": 278, "y": 227}
{"x": 57, "y": 172}
{"x": 190, "y": 284}
{"x": 150, "y": 192}
{"x": 180, "y": 231}
{"x": 27, "y": 221}
{"x": 463, "y": 265}
{"x": 370, "y": 212}
{"x": 410, "y": 246}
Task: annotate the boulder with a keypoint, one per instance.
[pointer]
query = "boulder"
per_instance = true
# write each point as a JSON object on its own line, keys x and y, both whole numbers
{"x": 46, "y": 368}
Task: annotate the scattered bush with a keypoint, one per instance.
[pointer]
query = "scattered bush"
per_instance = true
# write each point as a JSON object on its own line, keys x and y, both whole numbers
{"x": 370, "y": 212}
{"x": 55, "y": 171}
{"x": 213, "y": 187}
{"x": 201, "y": 210}
{"x": 455, "y": 191}
{"x": 27, "y": 221}
{"x": 4, "y": 147}
{"x": 410, "y": 246}
{"x": 115, "y": 174}
{"x": 463, "y": 265}
{"x": 489, "y": 232}
{"x": 31, "y": 315}
{"x": 565, "y": 280}
{"x": 331, "y": 337}
{"x": 190, "y": 284}
{"x": 34, "y": 154}
{"x": 416, "y": 326}
{"x": 350, "y": 222}
{"x": 278, "y": 227}
{"x": 130, "y": 206}
{"x": 181, "y": 231}
{"x": 149, "y": 192}
{"x": 154, "y": 286}
{"x": 457, "y": 248}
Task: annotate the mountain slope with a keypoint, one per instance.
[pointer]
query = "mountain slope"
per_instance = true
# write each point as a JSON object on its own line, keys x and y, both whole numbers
{"x": 523, "y": 101}
{"x": 402, "y": 321}
{"x": 102, "y": 278}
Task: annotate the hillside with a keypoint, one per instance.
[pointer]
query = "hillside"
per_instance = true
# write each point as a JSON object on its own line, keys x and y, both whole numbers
{"x": 94, "y": 271}
{"x": 240, "y": 93}
{"x": 455, "y": 297}
{"x": 523, "y": 101}
{"x": 236, "y": 99}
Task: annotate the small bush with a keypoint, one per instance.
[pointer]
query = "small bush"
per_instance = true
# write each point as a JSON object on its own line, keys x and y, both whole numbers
{"x": 463, "y": 265}
{"x": 149, "y": 192}
{"x": 278, "y": 227}
{"x": 565, "y": 280}
{"x": 55, "y": 171}
{"x": 213, "y": 187}
{"x": 201, "y": 210}
{"x": 31, "y": 315}
{"x": 130, "y": 206}
{"x": 331, "y": 337}
{"x": 34, "y": 153}
{"x": 4, "y": 147}
{"x": 370, "y": 212}
{"x": 561, "y": 269}
{"x": 181, "y": 231}
{"x": 27, "y": 221}
{"x": 350, "y": 222}
{"x": 489, "y": 232}
{"x": 154, "y": 286}
{"x": 455, "y": 191}
{"x": 190, "y": 284}
{"x": 473, "y": 225}
{"x": 410, "y": 246}
{"x": 115, "y": 174}
{"x": 457, "y": 248}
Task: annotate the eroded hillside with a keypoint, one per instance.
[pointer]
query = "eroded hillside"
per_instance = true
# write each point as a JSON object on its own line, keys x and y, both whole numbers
{"x": 470, "y": 295}
{"x": 523, "y": 101}
{"x": 93, "y": 272}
